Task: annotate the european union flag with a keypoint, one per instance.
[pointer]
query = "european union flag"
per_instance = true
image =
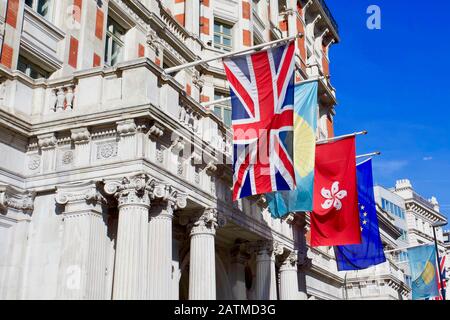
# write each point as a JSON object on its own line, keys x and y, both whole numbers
{"x": 370, "y": 251}
{"x": 422, "y": 262}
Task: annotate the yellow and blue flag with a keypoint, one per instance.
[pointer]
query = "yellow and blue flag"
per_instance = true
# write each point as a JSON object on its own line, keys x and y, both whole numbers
{"x": 305, "y": 126}
{"x": 370, "y": 252}
{"x": 422, "y": 262}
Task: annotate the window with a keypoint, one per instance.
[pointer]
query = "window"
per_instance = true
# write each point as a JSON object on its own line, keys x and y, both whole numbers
{"x": 43, "y": 7}
{"x": 114, "y": 42}
{"x": 222, "y": 36}
{"x": 223, "y": 110}
{"x": 30, "y": 69}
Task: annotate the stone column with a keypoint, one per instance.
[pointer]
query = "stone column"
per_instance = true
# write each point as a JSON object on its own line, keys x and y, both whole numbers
{"x": 160, "y": 241}
{"x": 288, "y": 278}
{"x": 130, "y": 272}
{"x": 239, "y": 258}
{"x": 82, "y": 270}
{"x": 16, "y": 208}
{"x": 202, "y": 265}
{"x": 266, "y": 285}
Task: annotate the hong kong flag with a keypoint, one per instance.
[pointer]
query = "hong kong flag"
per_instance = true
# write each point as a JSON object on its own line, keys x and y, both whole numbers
{"x": 335, "y": 216}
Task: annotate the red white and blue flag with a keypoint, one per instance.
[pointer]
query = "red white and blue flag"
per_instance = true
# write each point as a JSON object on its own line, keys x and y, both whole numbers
{"x": 262, "y": 98}
{"x": 443, "y": 275}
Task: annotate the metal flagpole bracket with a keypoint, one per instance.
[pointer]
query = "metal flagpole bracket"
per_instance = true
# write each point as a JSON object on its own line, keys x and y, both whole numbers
{"x": 377, "y": 153}
{"x": 230, "y": 54}
{"x": 219, "y": 101}
{"x": 342, "y": 137}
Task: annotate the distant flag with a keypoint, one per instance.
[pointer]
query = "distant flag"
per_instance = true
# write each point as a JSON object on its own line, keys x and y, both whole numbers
{"x": 444, "y": 281}
{"x": 262, "y": 98}
{"x": 370, "y": 251}
{"x": 335, "y": 216}
{"x": 422, "y": 262}
{"x": 305, "y": 124}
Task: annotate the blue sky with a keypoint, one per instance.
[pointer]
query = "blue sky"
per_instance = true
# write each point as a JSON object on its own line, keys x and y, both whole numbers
{"x": 394, "y": 83}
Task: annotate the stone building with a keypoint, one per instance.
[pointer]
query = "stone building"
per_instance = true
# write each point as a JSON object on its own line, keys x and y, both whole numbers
{"x": 114, "y": 176}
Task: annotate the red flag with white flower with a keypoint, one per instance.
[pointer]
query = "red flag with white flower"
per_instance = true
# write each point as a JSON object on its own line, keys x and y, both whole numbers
{"x": 335, "y": 217}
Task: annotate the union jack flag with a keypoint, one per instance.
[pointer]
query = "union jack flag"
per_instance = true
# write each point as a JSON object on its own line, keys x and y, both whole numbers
{"x": 444, "y": 282}
{"x": 262, "y": 97}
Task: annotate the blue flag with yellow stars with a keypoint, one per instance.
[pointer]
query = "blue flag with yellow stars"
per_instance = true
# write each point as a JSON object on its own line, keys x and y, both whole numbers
{"x": 370, "y": 251}
{"x": 422, "y": 262}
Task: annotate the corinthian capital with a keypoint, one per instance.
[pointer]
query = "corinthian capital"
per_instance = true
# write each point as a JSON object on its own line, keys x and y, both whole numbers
{"x": 165, "y": 192}
{"x": 131, "y": 190}
{"x": 206, "y": 223}
{"x": 290, "y": 262}
{"x": 79, "y": 193}
{"x": 15, "y": 199}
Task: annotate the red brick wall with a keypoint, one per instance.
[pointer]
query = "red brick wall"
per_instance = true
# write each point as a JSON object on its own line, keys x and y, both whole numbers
{"x": 188, "y": 89}
{"x": 141, "y": 51}
{"x": 12, "y": 12}
{"x": 96, "y": 61}
{"x": 325, "y": 63}
{"x": 247, "y": 38}
{"x": 245, "y": 10}
{"x": 7, "y": 56}
{"x": 204, "y": 98}
{"x": 77, "y": 12}
{"x": 330, "y": 128}
{"x": 99, "y": 20}
{"x": 73, "y": 52}
{"x": 204, "y": 25}
{"x": 180, "y": 18}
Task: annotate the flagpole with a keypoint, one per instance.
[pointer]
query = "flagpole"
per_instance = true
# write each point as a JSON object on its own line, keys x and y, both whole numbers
{"x": 342, "y": 137}
{"x": 377, "y": 153}
{"x": 218, "y": 101}
{"x": 229, "y": 54}
{"x": 409, "y": 247}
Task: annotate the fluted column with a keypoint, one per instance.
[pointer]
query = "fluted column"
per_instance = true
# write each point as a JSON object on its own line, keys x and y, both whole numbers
{"x": 84, "y": 248}
{"x": 130, "y": 272}
{"x": 160, "y": 240}
{"x": 265, "y": 270}
{"x": 202, "y": 263}
{"x": 288, "y": 278}
{"x": 239, "y": 258}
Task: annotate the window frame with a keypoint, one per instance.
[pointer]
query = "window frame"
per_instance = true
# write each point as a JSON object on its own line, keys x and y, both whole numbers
{"x": 221, "y": 46}
{"x": 31, "y": 67}
{"x": 35, "y": 7}
{"x": 112, "y": 38}
{"x": 220, "y": 94}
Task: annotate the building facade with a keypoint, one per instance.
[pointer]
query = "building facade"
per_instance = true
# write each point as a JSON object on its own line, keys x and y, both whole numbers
{"x": 115, "y": 178}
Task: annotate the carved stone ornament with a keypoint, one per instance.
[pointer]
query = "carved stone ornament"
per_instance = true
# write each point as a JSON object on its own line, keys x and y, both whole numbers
{"x": 156, "y": 130}
{"x": 126, "y": 127}
{"x": 67, "y": 157}
{"x": 34, "y": 162}
{"x": 47, "y": 141}
{"x": 131, "y": 191}
{"x": 15, "y": 199}
{"x": 80, "y": 135}
{"x": 165, "y": 192}
{"x": 206, "y": 223}
{"x": 290, "y": 262}
{"x": 78, "y": 192}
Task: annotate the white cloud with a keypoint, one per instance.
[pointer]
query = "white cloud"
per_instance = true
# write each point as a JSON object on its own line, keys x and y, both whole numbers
{"x": 427, "y": 158}
{"x": 388, "y": 167}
